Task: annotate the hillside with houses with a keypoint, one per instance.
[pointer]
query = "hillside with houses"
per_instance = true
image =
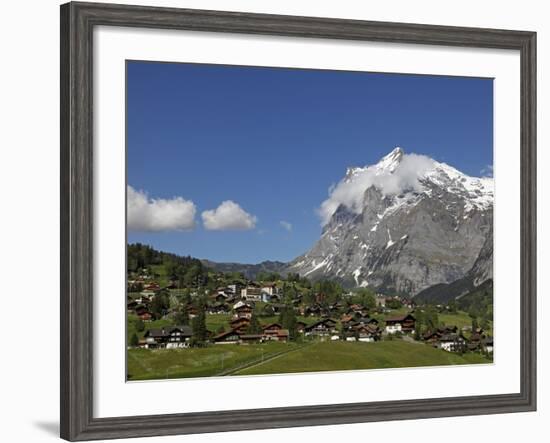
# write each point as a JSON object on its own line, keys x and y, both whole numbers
{"x": 185, "y": 319}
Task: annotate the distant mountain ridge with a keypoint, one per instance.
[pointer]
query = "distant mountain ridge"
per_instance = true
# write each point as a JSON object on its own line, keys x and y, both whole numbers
{"x": 250, "y": 271}
{"x": 404, "y": 225}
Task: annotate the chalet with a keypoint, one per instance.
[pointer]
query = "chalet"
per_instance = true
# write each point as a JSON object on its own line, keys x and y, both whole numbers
{"x": 192, "y": 311}
{"x": 218, "y": 308}
{"x": 300, "y": 327}
{"x": 144, "y": 299}
{"x": 271, "y": 331}
{"x": 227, "y": 337}
{"x": 168, "y": 337}
{"x": 240, "y": 324}
{"x": 409, "y": 303}
{"x": 347, "y": 320}
{"x": 151, "y": 287}
{"x": 178, "y": 337}
{"x": 321, "y": 328}
{"x": 357, "y": 308}
{"x": 145, "y": 316}
{"x": 366, "y": 332}
{"x": 335, "y": 308}
{"x": 252, "y": 292}
{"x": 242, "y": 310}
{"x": 314, "y": 310}
{"x": 432, "y": 337}
{"x": 487, "y": 344}
{"x": 221, "y": 297}
{"x": 452, "y": 343}
{"x": 282, "y": 335}
{"x": 367, "y": 321}
{"x": 251, "y": 338}
{"x": 270, "y": 288}
{"x": 143, "y": 313}
{"x": 401, "y": 323}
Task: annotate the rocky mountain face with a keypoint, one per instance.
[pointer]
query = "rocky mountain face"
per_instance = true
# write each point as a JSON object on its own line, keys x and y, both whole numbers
{"x": 403, "y": 225}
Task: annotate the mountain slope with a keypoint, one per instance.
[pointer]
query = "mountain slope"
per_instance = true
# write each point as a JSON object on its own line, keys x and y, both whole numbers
{"x": 403, "y": 225}
{"x": 249, "y": 270}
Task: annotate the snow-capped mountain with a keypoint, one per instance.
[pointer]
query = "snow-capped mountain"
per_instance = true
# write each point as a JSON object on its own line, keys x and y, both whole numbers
{"x": 402, "y": 225}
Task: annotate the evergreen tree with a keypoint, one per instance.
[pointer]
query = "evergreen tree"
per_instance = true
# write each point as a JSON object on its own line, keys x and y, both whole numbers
{"x": 287, "y": 318}
{"x": 182, "y": 317}
{"x": 475, "y": 324}
{"x": 134, "y": 341}
{"x": 200, "y": 332}
{"x": 254, "y": 327}
{"x": 140, "y": 325}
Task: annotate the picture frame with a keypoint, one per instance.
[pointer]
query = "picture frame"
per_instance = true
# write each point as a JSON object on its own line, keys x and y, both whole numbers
{"x": 77, "y": 220}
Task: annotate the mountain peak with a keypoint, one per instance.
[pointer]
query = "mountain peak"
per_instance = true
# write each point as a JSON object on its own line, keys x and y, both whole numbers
{"x": 390, "y": 161}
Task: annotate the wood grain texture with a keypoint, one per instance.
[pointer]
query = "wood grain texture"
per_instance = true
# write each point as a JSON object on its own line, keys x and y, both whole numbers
{"x": 77, "y": 23}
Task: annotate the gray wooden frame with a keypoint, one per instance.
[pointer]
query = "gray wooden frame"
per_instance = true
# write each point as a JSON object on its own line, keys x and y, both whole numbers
{"x": 77, "y": 24}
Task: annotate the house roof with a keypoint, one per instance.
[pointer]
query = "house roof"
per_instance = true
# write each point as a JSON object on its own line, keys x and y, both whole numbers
{"x": 450, "y": 337}
{"x": 251, "y": 336}
{"x": 398, "y": 318}
{"x": 323, "y": 321}
{"x": 166, "y": 331}
{"x": 241, "y": 304}
{"x": 226, "y": 333}
{"x": 367, "y": 320}
{"x": 271, "y": 326}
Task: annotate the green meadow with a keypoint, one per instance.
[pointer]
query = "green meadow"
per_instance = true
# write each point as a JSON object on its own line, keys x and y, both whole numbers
{"x": 278, "y": 358}
{"x": 339, "y": 356}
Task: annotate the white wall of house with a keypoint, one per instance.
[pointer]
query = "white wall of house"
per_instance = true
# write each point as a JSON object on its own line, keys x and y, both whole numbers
{"x": 392, "y": 329}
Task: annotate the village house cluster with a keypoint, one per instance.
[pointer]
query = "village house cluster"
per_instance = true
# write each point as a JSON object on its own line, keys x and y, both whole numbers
{"x": 337, "y": 321}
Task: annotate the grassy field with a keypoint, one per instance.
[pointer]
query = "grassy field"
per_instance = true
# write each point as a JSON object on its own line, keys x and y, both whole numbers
{"x": 333, "y": 356}
{"x": 131, "y": 326}
{"x": 146, "y": 364}
{"x": 460, "y": 319}
{"x": 276, "y": 358}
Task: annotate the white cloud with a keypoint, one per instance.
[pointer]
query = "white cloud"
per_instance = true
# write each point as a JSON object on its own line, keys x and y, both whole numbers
{"x": 487, "y": 171}
{"x": 350, "y": 192}
{"x": 228, "y": 216}
{"x": 150, "y": 214}
{"x": 286, "y": 225}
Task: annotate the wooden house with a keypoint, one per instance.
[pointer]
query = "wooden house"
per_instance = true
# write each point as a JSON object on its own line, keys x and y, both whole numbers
{"x": 271, "y": 331}
{"x": 240, "y": 324}
{"x": 321, "y": 328}
{"x": 251, "y": 338}
{"x": 168, "y": 337}
{"x": 242, "y": 310}
{"x": 300, "y": 327}
{"x": 228, "y": 337}
{"x": 452, "y": 343}
{"x": 400, "y": 323}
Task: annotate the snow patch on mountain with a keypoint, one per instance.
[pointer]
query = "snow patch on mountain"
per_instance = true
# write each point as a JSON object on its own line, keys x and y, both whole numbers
{"x": 403, "y": 177}
{"x": 407, "y": 222}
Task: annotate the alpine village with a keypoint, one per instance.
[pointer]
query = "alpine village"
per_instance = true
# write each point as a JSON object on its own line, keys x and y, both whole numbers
{"x": 187, "y": 319}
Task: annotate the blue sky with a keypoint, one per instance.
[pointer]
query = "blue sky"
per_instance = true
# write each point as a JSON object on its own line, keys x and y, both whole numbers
{"x": 273, "y": 141}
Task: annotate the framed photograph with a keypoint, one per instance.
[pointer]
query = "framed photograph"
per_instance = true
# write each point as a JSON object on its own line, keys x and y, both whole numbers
{"x": 257, "y": 207}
